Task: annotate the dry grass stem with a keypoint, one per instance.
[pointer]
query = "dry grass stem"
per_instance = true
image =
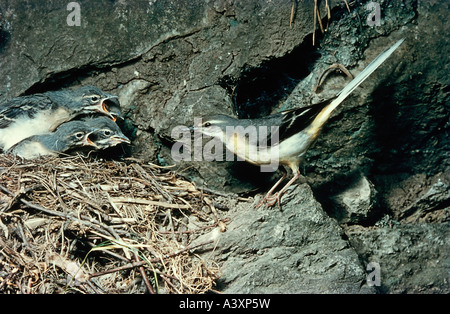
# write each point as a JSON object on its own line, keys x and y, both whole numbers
{"x": 85, "y": 225}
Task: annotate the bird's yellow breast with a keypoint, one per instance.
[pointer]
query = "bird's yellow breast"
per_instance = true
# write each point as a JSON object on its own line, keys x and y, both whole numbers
{"x": 240, "y": 145}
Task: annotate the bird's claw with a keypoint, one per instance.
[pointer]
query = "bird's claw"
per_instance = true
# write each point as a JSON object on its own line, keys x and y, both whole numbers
{"x": 270, "y": 200}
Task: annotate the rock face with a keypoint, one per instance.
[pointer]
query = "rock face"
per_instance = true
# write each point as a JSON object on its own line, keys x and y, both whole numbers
{"x": 357, "y": 203}
{"x": 298, "y": 249}
{"x": 412, "y": 258}
{"x": 377, "y": 179}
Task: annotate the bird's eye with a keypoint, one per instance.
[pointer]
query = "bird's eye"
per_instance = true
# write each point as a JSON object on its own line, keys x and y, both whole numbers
{"x": 207, "y": 124}
{"x": 95, "y": 98}
{"x": 79, "y": 135}
{"x": 107, "y": 132}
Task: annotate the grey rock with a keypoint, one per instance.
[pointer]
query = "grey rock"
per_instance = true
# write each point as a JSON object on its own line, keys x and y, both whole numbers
{"x": 46, "y": 47}
{"x": 298, "y": 249}
{"x": 434, "y": 198}
{"x": 413, "y": 258}
{"x": 356, "y": 203}
{"x": 171, "y": 61}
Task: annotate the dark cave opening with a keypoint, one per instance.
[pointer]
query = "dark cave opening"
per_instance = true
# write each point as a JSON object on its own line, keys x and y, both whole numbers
{"x": 259, "y": 90}
{"x": 400, "y": 127}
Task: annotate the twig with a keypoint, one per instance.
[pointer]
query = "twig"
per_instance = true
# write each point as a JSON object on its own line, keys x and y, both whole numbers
{"x": 319, "y": 18}
{"x": 348, "y": 7}
{"x": 142, "y": 263}
{"x": 115, "y": 255}
{"x": 166, "y": 278}
{"x": 144, "y": 174}
{"x": 12, "y": 254}
{"x": 92, "y": 223}
{"x": 144, "y": 276}
{"x": 129, "y": 200}
{"x": 291, "y": 20}
{"x": 327, "y": 7}
{"x": 16, "y": 197}
{"x": 213, "y": 209}
{"x": 314, "y": 23}
{"x": 335, "y": 66}
{"x": 197, "y": 230}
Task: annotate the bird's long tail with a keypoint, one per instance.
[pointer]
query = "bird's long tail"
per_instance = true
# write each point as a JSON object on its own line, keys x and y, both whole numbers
{"x": 347, "y": 90}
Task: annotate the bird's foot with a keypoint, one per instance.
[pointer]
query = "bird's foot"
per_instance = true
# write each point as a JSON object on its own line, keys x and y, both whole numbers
{"x": 275, "y": 199}
{"x": 270, "y": 200}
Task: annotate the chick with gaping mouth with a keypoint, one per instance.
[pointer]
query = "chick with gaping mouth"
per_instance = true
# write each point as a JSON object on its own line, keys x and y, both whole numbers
{"x": 92, "y": 133}
{"x": 111, "y": 107}
{"x": 30, "y": 115}
{"x": 102, "y": 102}
{"x": 106, "y": 133}
{"x": 68, "y": 136}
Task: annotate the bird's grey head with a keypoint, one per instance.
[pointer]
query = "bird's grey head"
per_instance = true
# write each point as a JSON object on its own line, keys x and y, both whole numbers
{"x": 91, "y": 99}
{"x": 214, "y": 125}
{"x": 106, "y": 132}
{"x": 70, "y": 135}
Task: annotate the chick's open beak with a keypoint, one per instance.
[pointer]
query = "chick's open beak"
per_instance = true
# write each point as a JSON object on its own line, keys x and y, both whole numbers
{"x": 112, "y": 110}
{"x": 103, "y": 108}
{"x": 111, "y": 104}
{"x": 86, "y": 141}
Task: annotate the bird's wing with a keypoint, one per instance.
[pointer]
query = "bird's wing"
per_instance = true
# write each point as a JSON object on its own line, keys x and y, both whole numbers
{"x": 292, "y": 121}
{"x": 21, "y": 107}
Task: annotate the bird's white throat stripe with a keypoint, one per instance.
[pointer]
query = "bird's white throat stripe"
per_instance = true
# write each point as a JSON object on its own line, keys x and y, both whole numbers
{"x": 215, "y": 122}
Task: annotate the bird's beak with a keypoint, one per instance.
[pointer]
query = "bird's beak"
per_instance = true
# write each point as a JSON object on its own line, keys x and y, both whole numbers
{"x": 118, "y": 139}
{"x": 114, "y": 108}
{"x": 87, "y": 141}
{"x": 194, "y": 128}
{"x": 103, "y": 107}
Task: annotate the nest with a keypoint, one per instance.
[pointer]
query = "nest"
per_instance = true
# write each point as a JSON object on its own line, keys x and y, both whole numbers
{"x": 87, "y": 225}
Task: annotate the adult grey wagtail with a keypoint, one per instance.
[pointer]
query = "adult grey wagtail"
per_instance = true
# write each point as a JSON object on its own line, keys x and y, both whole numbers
{"x": 94, "y": 133}
{"x": 283, "y": 137}
{"x": 26, "y": 116}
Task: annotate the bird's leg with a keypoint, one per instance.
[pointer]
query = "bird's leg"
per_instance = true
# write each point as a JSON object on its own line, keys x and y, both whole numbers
{"x": 269, "y": 194}
{"x": 277, "y": 197}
